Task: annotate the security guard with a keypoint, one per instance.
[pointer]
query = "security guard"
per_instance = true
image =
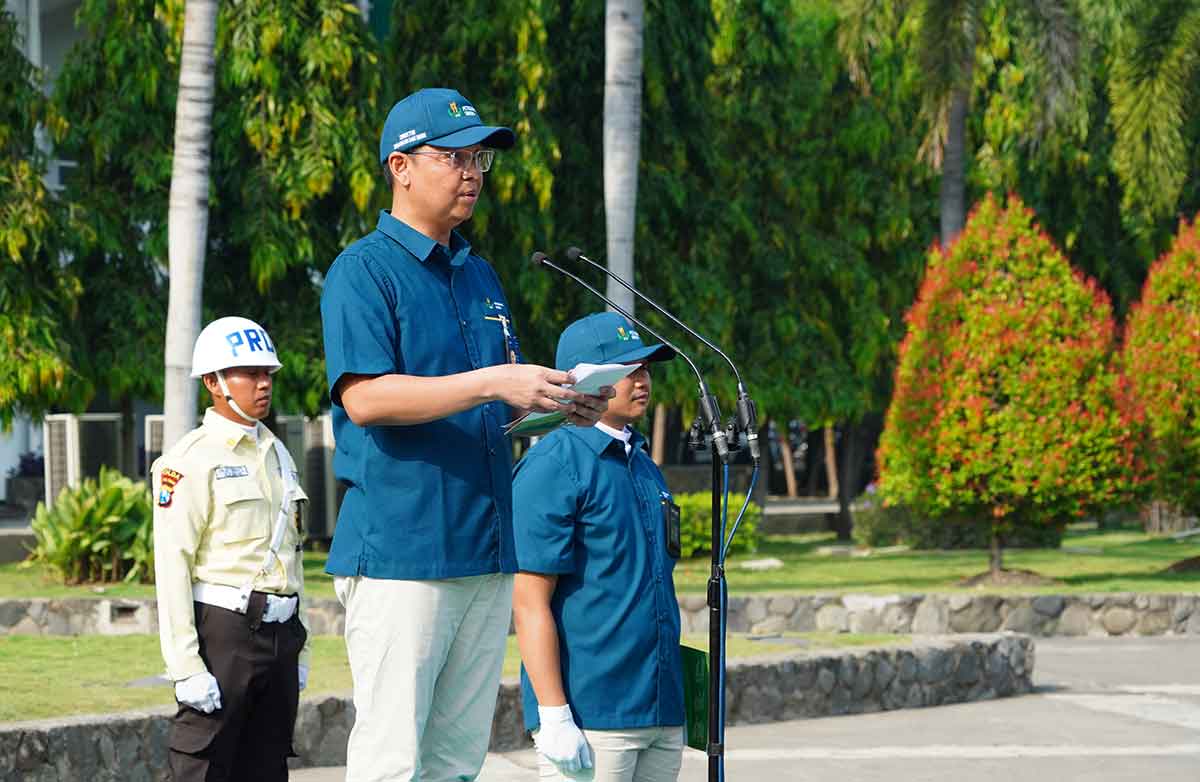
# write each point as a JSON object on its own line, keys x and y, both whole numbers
{"x": 228, "y": 570}
{"x": 597, "y": 535}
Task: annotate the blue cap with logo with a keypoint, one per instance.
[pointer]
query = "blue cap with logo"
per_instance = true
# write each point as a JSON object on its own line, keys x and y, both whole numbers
{"x": 605, "y": 338}
{"x": 441, "y": 117}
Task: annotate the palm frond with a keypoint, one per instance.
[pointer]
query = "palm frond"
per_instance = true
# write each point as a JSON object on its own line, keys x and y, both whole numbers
{"x": 1154, "y": 75}
{"x": 862, "y": 26}
{"x": 1054, "y": 40}
{"x": 946, "y": 55}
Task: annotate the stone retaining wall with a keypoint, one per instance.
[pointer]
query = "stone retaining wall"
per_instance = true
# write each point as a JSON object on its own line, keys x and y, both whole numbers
{"x": 932, "y": 614}
{"x": 132, "y": 747}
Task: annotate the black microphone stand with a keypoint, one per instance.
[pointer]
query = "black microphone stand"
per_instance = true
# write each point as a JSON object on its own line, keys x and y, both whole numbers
{"x": 720, "y": 453}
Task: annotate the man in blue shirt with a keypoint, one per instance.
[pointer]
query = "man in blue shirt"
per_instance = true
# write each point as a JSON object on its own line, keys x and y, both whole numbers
{"x": 597, "y": 535}
{"x": 424, "y": 370}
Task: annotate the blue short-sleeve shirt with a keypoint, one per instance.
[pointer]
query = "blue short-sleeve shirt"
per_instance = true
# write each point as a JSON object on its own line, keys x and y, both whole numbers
{"x": 593, "y": 515}
{"x": 431, "y": 500}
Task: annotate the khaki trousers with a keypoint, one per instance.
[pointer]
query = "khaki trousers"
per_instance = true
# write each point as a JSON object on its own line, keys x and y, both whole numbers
{"x": 426, "y": 659}
{"x": 636, "y": 755}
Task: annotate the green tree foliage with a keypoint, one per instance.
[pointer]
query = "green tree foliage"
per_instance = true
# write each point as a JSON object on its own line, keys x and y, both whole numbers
{"x": 38, "y": 295}
{"x": 101, "y": 530}
{"x": 293, "y": 177}
{"x": 1155, "y": 82}
{"x": 1005, "y": 404}
{"x": 1162, "y": 365}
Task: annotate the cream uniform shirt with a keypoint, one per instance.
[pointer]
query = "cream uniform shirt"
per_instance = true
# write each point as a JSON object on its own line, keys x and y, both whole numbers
{"x": 216, "y": 501}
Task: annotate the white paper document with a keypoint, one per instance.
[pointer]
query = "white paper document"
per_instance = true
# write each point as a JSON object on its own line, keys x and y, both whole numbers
{"x": 589, "y": 379}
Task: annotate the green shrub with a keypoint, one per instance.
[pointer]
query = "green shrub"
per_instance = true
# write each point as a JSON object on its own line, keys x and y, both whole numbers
{"x": 1162, "y": 367}
{"x": 101, "y": 530}
{"x": 695, "y": 512}
{"x": 1005, "y": 408}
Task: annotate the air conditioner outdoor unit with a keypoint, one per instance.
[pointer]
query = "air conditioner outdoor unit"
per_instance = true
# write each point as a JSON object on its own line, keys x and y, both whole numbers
{"x": 77, "y": 446}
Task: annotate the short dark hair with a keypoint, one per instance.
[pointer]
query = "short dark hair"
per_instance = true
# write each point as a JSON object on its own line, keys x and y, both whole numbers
{"x": 388, "y": 179}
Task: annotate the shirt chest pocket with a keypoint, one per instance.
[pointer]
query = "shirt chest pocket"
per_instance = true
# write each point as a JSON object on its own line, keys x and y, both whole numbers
{"x": 240, "y": 511}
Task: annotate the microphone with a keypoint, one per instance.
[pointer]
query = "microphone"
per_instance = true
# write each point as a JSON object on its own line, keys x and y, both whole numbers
{"x": 747, "y": 411}
{"x": 708, "y": 403}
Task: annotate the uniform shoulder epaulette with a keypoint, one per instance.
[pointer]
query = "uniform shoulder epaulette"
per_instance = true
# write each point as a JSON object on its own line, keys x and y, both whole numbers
{"x": 180, "y": 449}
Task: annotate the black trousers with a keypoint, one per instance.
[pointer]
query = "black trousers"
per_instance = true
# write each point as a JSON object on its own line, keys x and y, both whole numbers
{"x": 255, "y": 663}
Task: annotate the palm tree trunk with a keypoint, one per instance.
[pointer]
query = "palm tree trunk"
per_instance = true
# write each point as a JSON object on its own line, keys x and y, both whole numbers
{"x": 952, "y": 194}
{"x": 187, "y": 218}
{"x": 622, "y": 134}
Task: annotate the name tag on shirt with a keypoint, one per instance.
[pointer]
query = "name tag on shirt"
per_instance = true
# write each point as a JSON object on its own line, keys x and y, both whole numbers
{"x": 231, "y": 471}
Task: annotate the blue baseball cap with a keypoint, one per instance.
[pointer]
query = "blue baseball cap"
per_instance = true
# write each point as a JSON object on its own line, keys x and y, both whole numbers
{"x": 605, "y": 338}
{"x": 440, "y": 117}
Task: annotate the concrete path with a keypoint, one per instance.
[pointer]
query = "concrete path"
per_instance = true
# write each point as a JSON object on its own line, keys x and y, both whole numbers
{"x": 1106, "y": 710}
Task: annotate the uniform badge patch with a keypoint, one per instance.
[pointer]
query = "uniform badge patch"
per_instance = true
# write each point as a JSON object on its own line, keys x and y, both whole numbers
{"x": 166, "y": 486}
{"x": 230, "y": 471}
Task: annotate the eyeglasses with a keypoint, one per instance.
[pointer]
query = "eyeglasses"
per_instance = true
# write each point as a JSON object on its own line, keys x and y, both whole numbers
{"x": 461, "y": 159}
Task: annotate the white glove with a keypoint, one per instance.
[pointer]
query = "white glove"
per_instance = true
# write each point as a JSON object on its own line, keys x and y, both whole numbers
{"x": 200, "y": 691}
{"x": 560, "y": 740}
{"x": 303, "y": 670}
{"x": 280, "y": 609}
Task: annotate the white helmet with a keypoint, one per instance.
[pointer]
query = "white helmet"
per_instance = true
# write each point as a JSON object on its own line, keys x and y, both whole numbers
{"x": 233, "y": 342}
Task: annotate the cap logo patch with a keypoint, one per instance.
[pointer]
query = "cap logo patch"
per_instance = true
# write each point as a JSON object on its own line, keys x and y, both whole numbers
{"x": 625, "y": 336}
{"x": 455, "y": 111}
{"x": 166, "y": 486}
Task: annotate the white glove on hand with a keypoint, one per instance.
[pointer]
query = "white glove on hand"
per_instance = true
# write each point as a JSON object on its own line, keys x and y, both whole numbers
{"x": 303, "y": 670}
{"x": 560, "y": 740}
{"x": 200, "y": 691}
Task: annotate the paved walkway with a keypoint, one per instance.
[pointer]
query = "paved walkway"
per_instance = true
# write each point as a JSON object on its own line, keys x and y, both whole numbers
{"x": 1106, "y": 710}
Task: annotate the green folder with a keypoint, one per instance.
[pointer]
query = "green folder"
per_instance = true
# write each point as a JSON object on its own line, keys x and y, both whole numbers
{"x": 695, "y": 696}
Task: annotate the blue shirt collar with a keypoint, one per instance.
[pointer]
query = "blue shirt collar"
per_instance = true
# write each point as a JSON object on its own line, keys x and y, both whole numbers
{"x": 599, "y": 440}
{"x": 420, "y": 245}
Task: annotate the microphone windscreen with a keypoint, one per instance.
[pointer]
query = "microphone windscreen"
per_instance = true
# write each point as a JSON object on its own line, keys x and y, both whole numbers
{"x": 573, "y": 254}
{"x": 538, "y": 258}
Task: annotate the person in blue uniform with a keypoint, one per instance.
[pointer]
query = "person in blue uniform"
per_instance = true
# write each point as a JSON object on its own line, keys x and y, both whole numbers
{"x": 597, "y": 536}
{"x": 424, "y": 372}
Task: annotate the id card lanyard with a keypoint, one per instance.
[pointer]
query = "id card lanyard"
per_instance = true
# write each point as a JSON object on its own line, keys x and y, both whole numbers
{"x": 288, "y": 470}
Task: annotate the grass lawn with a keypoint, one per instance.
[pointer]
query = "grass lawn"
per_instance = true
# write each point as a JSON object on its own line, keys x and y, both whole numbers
{"x": 1089, "y": 561}
{"x": 48, "y": 676}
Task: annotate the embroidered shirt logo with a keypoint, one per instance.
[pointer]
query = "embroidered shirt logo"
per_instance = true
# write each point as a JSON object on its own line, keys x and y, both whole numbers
{"x": 166, "y": 486}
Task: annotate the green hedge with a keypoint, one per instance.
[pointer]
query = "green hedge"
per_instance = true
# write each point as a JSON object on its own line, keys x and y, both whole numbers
{"x": 695, "y": 510}
{"x": 101, "y": 530}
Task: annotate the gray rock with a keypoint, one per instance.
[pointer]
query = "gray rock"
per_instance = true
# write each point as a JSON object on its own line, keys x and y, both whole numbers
{"x": 934, "y": 665}
{"x": 884, "y": 673}
{"x": 1154, "y": 623}
{"x": 1184, "y": 605}
{"x": 782, "y": 606}
{"x": 968, "y": 669}
{"x": 1023, "y": 619}
{"x": 31, "y": 752}
{"x": 1075, "y": 620}
{"x": 11, "y": 612}
{"x": 804, "y": 618}
{"x": 826, "y": 679}
{"x": 1048, "y": 605}
{"x": 866, "y": 622}
{"x": 907, "y": 668}
{"x": 755, "y": 610}
{"x": 831, "y": 618}
{"x": 932, "y": 617}
{"x": 1118, "y": 620}
{"x": 1193, "y": 625}
{"x": 980, "y": 614}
